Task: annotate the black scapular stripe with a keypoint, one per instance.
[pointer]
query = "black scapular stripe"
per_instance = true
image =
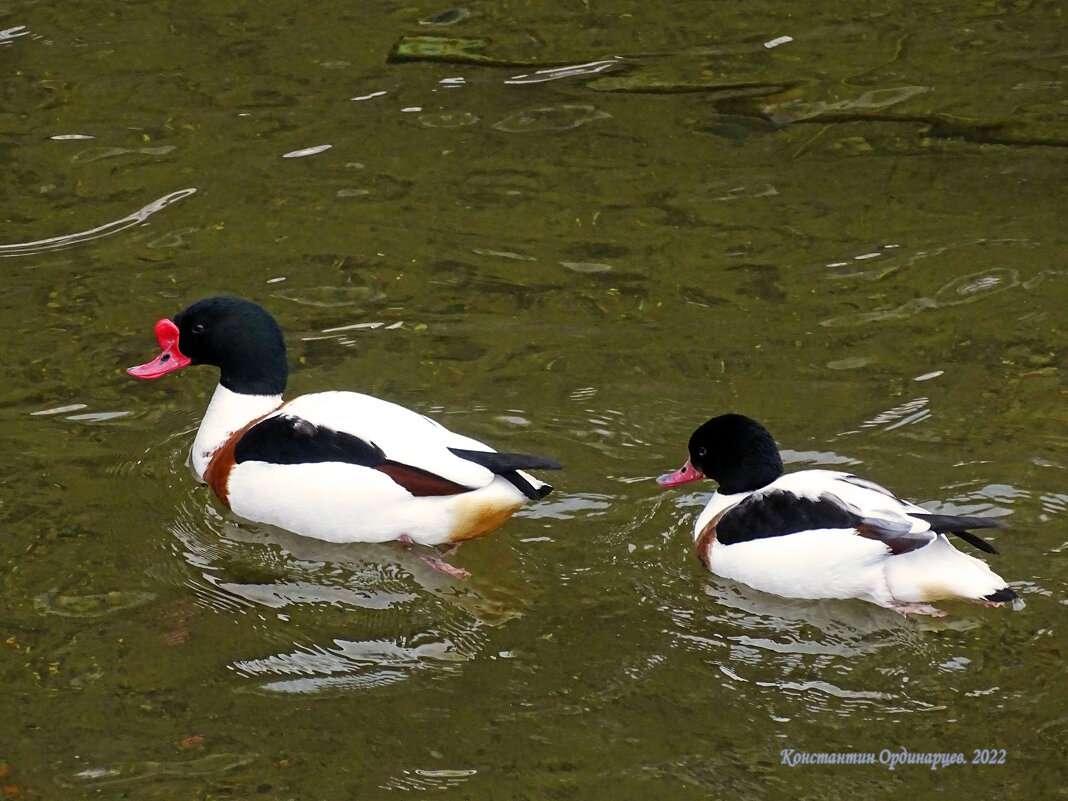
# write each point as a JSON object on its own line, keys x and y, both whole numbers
{"x": 293, "y": 440}
{"x": 507, "y": 465}
{"x": 777, "y": 513}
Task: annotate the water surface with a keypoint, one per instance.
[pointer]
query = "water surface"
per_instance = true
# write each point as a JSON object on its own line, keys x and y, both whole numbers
{"x": 572, "y": 229}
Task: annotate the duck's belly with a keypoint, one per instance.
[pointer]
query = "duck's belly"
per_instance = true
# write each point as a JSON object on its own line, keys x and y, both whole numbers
{"x": 829, "y": 563}
{"x": 347, "y": 503}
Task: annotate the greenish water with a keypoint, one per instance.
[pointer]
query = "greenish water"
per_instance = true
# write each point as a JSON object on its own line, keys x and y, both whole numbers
{"x": 856, "y": 236}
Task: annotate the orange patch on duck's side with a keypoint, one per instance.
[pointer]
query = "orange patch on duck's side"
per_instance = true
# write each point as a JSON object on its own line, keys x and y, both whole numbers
{"x": 478, "y": 517}
{"x": 707, "y": 536}
{"x": 217, "y": 473}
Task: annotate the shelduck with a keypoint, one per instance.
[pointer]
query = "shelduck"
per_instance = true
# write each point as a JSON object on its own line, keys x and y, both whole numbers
{"x": 822, "y": 533}
{"x": 338, "y": 466}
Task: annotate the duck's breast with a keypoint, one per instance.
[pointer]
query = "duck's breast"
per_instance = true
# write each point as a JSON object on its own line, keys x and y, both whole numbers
{"x": 227, "y": 413}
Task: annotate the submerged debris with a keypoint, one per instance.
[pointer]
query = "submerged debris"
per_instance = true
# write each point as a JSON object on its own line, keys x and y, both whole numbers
{"x": 550, "y": 118}
{"x": 456, "y": 50}
{"x": 448, "y": 17}
{"x": 53, "y": 603}
{"x": 139, "y": 771}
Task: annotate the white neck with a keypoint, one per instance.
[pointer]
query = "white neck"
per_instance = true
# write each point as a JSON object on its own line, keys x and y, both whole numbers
{"x": 227, "y": 413}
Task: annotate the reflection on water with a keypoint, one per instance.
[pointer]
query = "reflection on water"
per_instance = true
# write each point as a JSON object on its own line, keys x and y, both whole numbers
{"x": 810, "y": 657}
{"x": 423, "y": 779}
{"x": 556, "y": 73}
{"x": 349, "y": 665}
{"x": 6, "y": 36}
{"x": 360, "y": 615}
{"x": 568, "y": 507}
{"x": 306, "y": 151}
{"x": 122, "y": 773}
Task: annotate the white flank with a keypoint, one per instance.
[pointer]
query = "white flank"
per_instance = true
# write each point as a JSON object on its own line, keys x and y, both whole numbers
{"x": 828, "y": 563}
{"x": 341, "y": 502}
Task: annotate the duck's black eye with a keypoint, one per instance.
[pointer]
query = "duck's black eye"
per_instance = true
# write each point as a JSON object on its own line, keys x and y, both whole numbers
{"x": 197, "y": 328}
{"x": 702, "y": 451}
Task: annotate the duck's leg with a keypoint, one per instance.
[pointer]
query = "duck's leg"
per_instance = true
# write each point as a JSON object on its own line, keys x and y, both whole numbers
{"x": 435, "y": 562}
{"x": 905, "y": 609}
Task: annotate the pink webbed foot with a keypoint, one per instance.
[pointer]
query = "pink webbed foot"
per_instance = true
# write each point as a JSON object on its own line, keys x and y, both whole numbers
{"x": 905, "y": 609}
{"x": 435, "y": 561}
{"x": 444, "y": 567}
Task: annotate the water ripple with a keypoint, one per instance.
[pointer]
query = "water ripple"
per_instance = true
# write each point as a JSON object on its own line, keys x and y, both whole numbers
{"x": 423, "y": 779}
{"x": 69, "y": 240}
{"x": 550, "y": 118}
{"x": 965, "y": 289}
{"x": 347, "y": 665}
{"x": 796, "y": 110}
{"x": 123, "y": 772}
{"x": 911, "y": 411}
{"x": 96, "y": 605}
{"x": 104, "y": 152}
{"x": 12, "y": 33}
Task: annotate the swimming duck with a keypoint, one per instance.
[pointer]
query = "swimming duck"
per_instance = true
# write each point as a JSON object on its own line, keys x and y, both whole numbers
{"x": 338, "y": 466}
{"x": 823, "y": 533}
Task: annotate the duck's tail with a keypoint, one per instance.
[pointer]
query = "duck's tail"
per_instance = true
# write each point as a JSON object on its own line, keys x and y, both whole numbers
{"x": 510, "y": 466}
{"x": 939, "y": 571}
{"x": 958, "y": 525}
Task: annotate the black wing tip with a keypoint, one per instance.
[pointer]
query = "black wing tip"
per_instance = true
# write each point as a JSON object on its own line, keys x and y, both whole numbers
{"x": 501, "y": 462}
{"x": 524, "y": 461}
{"x": 951, "y": 524}
{"x": 529, "y": 490}
{"x": 1004, "y": 595}
{"x": 958, "y": 526}
{"x": 540, "y": 492}
{"x": 978, "y": 542}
